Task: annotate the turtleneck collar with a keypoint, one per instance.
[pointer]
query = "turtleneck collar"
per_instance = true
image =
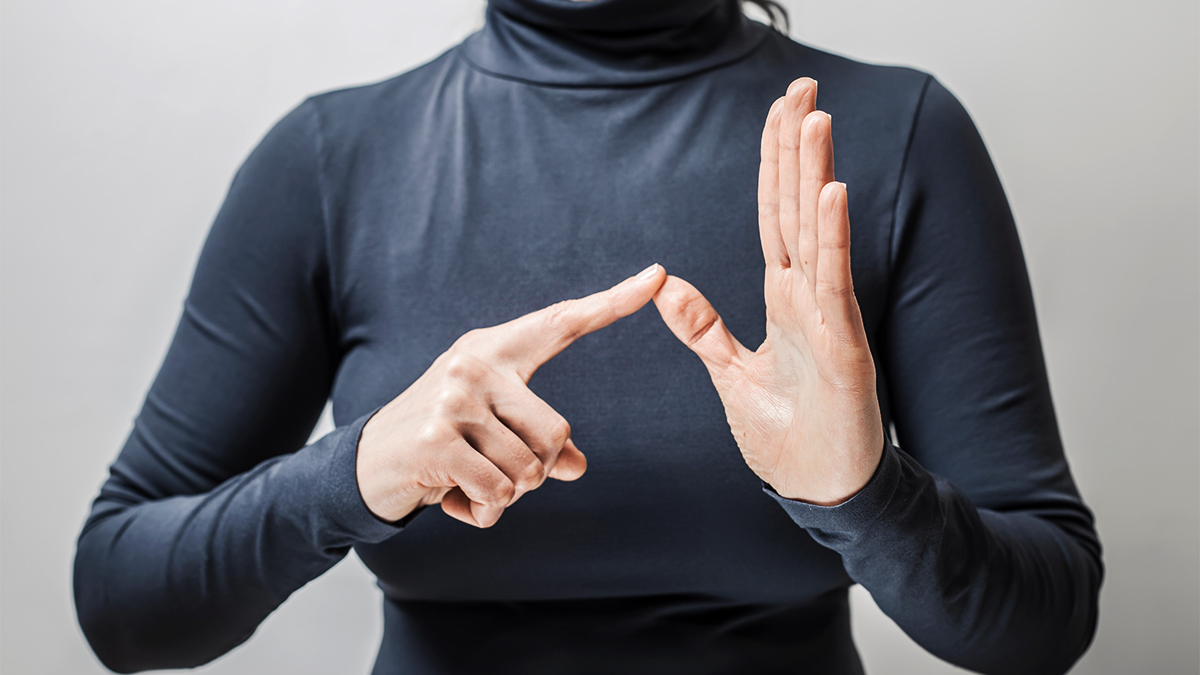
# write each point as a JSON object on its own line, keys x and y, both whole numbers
{"x": 610, "y": 43}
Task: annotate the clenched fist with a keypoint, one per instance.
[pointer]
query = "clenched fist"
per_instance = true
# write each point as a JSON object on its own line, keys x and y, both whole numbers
{"x": 802, "y": 407}
{"x": 469, "y": 433}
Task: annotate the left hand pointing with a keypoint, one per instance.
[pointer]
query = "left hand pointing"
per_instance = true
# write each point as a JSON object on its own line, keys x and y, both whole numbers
{"x": 803, "y": 407}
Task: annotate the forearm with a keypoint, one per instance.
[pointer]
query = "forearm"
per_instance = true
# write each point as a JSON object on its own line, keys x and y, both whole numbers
{"x": 1010, "y": 592}
{"x": 177, "y": 582}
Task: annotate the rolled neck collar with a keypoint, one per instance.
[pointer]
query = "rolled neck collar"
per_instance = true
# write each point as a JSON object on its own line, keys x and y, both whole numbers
{"x": 610, "y": 43}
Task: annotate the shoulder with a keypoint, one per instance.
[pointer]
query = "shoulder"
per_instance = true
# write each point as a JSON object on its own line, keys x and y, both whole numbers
{"x": 362, "y": 109}
{"x": 297, "y": 163}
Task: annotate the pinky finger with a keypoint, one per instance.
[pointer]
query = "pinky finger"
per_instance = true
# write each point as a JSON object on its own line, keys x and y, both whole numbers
{"x": 457, "y": 505}
{"x": 482, "y": 490}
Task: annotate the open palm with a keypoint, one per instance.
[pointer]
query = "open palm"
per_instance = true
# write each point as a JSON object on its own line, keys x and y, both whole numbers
{"x": 802, "y": 407}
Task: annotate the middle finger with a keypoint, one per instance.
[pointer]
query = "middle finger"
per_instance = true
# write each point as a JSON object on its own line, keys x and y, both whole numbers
{"x": 800, "y": 101}
{"x": 539, "y": 426}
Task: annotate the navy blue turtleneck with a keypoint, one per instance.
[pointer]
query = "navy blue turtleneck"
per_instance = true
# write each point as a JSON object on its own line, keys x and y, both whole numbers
{"x": 563, "y": 147}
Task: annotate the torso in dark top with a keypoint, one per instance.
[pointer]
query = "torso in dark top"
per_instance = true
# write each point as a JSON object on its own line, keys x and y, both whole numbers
{"x": 507, "y": 175}
{"x": 562, "y": 148}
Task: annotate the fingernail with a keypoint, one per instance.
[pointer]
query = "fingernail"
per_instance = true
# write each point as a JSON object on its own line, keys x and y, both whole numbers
{"x": 649, "y": 272}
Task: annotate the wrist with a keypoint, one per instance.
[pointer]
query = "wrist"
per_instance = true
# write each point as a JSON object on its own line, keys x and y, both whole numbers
{"x": 854, "y": 515}
{"x": 339, "y": 496}
{"x": 839, "y": 483}
{"x": 376, "y": 485}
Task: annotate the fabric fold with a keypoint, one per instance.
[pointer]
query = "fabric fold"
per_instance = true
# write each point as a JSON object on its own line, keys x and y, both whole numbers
{"x": 617, "y": 43}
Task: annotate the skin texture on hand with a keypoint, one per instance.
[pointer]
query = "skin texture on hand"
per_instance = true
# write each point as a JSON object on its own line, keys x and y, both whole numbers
{"x": 469, "y": 434}
{"x": 803, "y": 407}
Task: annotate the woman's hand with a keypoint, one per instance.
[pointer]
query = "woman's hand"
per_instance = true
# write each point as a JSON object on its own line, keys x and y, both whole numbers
{"x": 469, "y": 433}
{"x": 802, "y": 408}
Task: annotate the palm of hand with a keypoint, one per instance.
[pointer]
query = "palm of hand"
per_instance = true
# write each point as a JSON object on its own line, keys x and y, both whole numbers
{"x": 802, "y": 408}
{"x": 788, "y": 407}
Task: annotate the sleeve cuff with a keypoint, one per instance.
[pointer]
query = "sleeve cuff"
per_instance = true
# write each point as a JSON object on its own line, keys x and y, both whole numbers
{"x": 855, "y": 515}
{"x": 343, "y": 502}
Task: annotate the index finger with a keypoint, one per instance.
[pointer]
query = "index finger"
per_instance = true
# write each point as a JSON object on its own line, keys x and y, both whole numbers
{"x": 525, "y": 343}
{"x": 774, "y": 251}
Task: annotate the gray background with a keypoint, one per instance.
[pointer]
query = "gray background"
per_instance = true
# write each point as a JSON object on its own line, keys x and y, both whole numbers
{"x": 123, "y": 122}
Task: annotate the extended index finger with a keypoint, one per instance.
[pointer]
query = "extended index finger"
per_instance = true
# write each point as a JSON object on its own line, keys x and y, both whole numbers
{"x": 774, "y": 250}
{"x": 525, "y": 343}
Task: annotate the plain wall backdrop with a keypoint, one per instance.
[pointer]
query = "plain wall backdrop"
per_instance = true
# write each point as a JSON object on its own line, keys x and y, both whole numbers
{"x": 122, "y": 122}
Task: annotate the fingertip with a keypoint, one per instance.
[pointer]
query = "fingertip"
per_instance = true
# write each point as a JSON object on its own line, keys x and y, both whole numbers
{"x": 486, "y": 516}
{"x": 456, "y": 505}
{"x": 649, "y": 272}
{"x": 818, "y": 119}
{"x": 833, "y": 192}
{"x": 633, "y": 292}
{"x": 570, "y": 466}
{"x": 833, "y": 210}
{"x": 774, "y": 115}
{"x": 776, "y": 109}
{"x": 564, "y": 477}
{"x": 802, "y": 86}
{"x": 660, "y": 276}
{"x": 666, "y": 282}
{"x": 652, "y": 276}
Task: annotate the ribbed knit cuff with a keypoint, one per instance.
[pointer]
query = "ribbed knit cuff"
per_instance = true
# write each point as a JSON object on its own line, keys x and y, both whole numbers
{"x": 342, "y": 500}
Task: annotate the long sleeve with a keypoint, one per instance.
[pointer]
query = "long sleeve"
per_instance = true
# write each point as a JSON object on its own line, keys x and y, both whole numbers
{"x": 973, "y": 538}
{"x": 214, "y": 513}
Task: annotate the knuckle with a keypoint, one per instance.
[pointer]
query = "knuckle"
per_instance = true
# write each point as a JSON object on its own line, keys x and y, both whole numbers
{"x": 434, "y": 433}
{"x": 453, "y": 403}
{"x": 470, "y": 339}
{"x": 835, "y": 290}
{"x": 532, "y": 474}
{"x": 558, "y": 319}
{"x": 502, "y": 493}
{"x": 560, "y": 431}
{"x": 700, "y": 319}
{"x": 463, "y": 366}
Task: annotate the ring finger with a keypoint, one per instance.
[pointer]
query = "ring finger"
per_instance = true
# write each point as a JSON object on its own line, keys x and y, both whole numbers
{"x": 503, "y": 448}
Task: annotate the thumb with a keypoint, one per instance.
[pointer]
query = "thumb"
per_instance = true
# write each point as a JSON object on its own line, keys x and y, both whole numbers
{"x": 570, "y": 465}
{"x": 693, "y": 320}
